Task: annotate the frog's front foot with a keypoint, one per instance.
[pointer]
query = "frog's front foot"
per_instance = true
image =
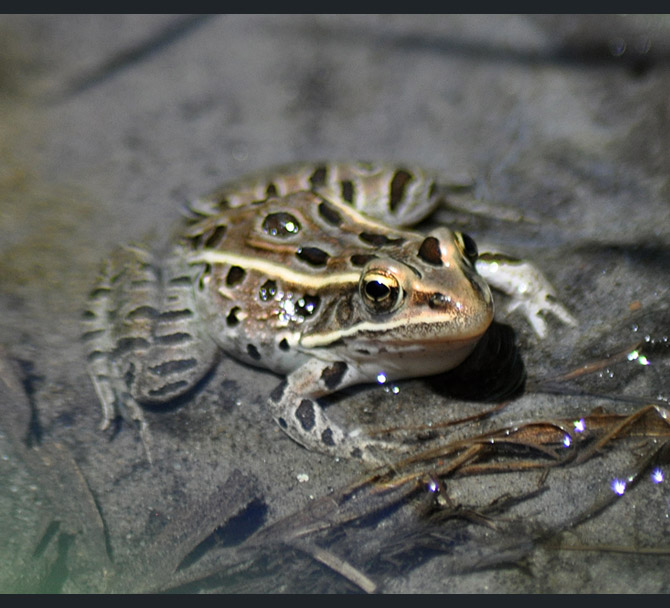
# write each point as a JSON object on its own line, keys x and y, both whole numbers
{"x": 528, "y": 288}
{"x": 535, "y": 307}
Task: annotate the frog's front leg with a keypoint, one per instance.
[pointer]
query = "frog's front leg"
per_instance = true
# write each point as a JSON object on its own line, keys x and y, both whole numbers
{"x": 529, "y": 289}
{"x": 294, "y": 407}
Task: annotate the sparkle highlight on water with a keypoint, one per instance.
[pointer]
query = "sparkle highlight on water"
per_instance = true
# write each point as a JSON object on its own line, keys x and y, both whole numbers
{"x": 618, "y": 486}
{"x": 635, "y": 355}
{"x": 657, "y": 475}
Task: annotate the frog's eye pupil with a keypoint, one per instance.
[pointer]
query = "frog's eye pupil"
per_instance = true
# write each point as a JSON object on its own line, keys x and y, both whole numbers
{"x": 377, "y": 290}
{"x": 381, "y": 292}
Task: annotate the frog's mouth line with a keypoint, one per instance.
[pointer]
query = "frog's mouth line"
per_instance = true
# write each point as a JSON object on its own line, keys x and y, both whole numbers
{"x": 437, "y": 347}
{"x": 390, "y": 347}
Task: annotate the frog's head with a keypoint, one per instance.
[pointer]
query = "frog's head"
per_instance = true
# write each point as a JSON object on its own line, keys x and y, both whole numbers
{"x": 418, "y": 311}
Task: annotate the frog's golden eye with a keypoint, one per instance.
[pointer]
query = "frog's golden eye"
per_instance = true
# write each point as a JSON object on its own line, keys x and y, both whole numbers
{"x": 381, "y": 292}
{"x": 468, "y": 246}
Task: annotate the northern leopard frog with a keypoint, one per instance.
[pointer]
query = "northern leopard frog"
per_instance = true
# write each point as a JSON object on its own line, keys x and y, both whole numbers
{"x": 293, "y": 270}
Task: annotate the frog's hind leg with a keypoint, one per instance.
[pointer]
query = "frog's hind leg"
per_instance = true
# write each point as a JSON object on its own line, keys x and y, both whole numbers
{"x": 399, "y": 195}
{"x": 143, "y": 340}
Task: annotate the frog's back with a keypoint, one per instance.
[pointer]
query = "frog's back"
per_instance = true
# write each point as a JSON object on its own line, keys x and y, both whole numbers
{"x": 282, "y": 268}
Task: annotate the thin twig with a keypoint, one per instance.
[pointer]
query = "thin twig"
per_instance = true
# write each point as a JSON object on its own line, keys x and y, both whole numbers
{"x": 338, "y": 565}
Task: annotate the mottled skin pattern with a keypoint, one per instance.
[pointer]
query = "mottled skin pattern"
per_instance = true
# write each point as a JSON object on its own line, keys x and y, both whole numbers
{"x": 293, "y": 270}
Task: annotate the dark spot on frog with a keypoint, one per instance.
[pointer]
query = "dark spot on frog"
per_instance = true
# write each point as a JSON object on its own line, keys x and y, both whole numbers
{"x": 327, "y": 437}
{"x": 271, "y": 190}
{"x": 252, "y": 351}
{"x": 307, "y": 305}
{"x": 232, "y": 319}
{"x": 175, "y": 366}
{"x": 432, "y": 191}
{"x": 398, "y": 185}
{"x": 332, "y": 376}
{"x": 379, "y": 240}
{"x": 95, "y": 333}
{"x": 267, "y": 290}
{"x": 182, "y": 281}
{"x": 278, "y": 392}
{"x": 178, "y": 337}
{"x": 216, "y": 237}
{"x": 330, "y": 214}
{"x": 282, "y": 422}
{"x": 283, "y": 345}
{"x": 318, "y": 178}
{"x": 305, "y": 414}
{"x": 175, "y": 315}
{"x": 235, "y": 276}
{"x": 281, "y": 224}
{"x": 470, "y": 247}
{"x": 130, "y": 343}
{"x": 194, "y": 241}
{"x": 356, "y": 453}
{"x": 142, "y": 312}
{"x": 313, "y": 256}
{"x": 348, "y": 191}
{"x": 430, "y": 251}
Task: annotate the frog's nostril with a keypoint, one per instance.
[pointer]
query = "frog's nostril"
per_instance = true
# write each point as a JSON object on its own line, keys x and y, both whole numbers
{"x": 439, "y": 300}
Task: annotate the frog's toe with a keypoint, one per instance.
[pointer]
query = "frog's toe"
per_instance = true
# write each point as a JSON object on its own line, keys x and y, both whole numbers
{"x": 537, "y": 312}
{"x": 374, "y": 451}
{"x": 559, "y": 311}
